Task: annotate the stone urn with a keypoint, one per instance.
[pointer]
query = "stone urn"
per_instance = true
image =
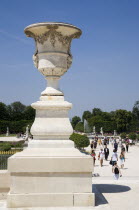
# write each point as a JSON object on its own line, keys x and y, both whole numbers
{"x": 51, "y": 172}
{"x": 52, "y": 58}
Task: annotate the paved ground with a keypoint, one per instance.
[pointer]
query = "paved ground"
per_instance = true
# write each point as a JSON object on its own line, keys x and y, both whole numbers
{"x": 122, "y": 194}
{"x": 110, "y": 194}
{"x": 11, "y": 138}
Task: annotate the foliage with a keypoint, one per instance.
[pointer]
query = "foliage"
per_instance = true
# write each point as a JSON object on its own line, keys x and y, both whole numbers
{"x": 135, "y": 113}
{"x": 137, "y": 136}
{"x": 14, "y": 126}
{"x": 79, "y": 127}
{"x": 96, "y": 112}
{"x": 16, "y": 110}
{"x": 5, "y": 146}
{"x": 86, "y": 115}
{"x": 18, "y": 144}
{"x": 132, "y": 136}
{"x": 3, "y": 111}
{"x": 75, "y": 121}
{"x": 96, "y": 121}
{"x": 80, "y": 141}
{"x": 123, "y": 135}
{"x": 16, "y": 116}
{"x": 29, "y": 113}
{"x": 119, "y": 120}
{"x": 123, "y": 119}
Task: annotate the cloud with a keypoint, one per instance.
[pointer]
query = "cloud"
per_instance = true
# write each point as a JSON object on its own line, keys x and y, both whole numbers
{"x": 15, "y": 37}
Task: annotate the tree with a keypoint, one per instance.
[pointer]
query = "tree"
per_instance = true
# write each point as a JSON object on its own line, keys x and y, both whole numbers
{"x": 96, "y": 111}
{"x": 123, "y": 135}
{"x": 96, "y": 121}
{"x": 123, "y": 119}
{"x": 3, "y": 112}
{"x": 80, "y": 141}
{"x": 29, "y": 113}
{"x": 16, "y": 110}
{"x": 86, "y": 115}
{"x": 106, "y": 116}
{"x": 75, "y": 121}
{"x": 109, "y": 126}
{"x": 132, "y": 136}
{"x": 137, "y": 136}
{"x": 79, "y": 127}
{"x": 135, "y": 113}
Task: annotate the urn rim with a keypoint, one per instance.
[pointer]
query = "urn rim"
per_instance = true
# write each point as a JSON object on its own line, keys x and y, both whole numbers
{"x": 47, "y": 24}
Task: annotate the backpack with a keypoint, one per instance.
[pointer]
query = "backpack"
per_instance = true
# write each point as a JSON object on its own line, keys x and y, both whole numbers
{"x": 116, "y": 170}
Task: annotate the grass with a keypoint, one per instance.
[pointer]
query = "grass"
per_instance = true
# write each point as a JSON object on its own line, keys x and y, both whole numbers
{"x": 4, "y": 135}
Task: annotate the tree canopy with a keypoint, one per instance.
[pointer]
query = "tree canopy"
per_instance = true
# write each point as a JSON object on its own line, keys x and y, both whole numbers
{"x": 16, "y": 116}
{"x": 75, "y": 121}
{"x": 120, "y": 120}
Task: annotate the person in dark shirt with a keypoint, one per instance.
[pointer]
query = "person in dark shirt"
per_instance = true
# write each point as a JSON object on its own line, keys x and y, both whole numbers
{"x": 115, "y": 145}
{"x": 106, "y": 151}
{"x": 127, "y": 145}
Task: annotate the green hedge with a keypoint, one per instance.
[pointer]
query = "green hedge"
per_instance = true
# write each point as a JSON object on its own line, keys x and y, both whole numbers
{"x": 132, "y": 136}
{"x": 14, "y": 126}
{"x": 123, "y": 135}
{"x": 80, "y": 141}
{"x": 6, "y": 146}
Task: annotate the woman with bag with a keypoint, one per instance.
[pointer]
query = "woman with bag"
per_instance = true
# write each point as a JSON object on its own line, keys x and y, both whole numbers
{"x": 116, "y": 171}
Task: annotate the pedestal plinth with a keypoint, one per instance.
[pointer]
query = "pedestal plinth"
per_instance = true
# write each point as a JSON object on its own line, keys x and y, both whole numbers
{"x": 51, "y": 172}
{"x": 50, "y": 177}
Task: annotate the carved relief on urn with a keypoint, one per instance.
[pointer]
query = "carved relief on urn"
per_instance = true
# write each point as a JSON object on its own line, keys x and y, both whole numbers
{"x": 53, "y": 40}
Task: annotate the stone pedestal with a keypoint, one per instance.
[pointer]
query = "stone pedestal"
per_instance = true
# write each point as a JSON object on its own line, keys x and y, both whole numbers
{"x": 50, "y": 177}
{"x": 51, "y": 172}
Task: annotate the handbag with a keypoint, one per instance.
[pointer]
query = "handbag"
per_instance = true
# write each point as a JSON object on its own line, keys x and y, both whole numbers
{"x": 110, "y": 162}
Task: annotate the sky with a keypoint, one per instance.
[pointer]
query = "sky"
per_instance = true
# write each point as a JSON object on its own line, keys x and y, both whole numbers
{"x": 105, "y": 68}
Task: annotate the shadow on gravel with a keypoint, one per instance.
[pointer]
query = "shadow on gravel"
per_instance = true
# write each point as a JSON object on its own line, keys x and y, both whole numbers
{"x": 99, "y": 189}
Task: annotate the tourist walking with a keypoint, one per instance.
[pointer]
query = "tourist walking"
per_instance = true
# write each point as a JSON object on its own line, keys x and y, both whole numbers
{"x": 130, "y": 142}
{"x": 92, "y": 144}
{"x": 106, "y": 152}
{"x": 116, "y": 171}
{"x": 122, "y": 159}
{"x": 115, "y": 145}
{"x": 114, "y": 157}
{"x": 105, "y": 141}
{"x": 127, "y": 145}
{"x": 101, "y": 157}
{"x": 123, "y": 149}
{"x": 99, "y": 142}
{"x": 112, "y": 141}
{"x": 93, "y": 154}
{"x": 95, "y": 144}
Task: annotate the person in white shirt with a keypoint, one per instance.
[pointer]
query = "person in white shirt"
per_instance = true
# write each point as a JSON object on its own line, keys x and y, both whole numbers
{"x": 114, "y": 157}
{"x": 101, "y": 157}
{"x": 130, "y": 141}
